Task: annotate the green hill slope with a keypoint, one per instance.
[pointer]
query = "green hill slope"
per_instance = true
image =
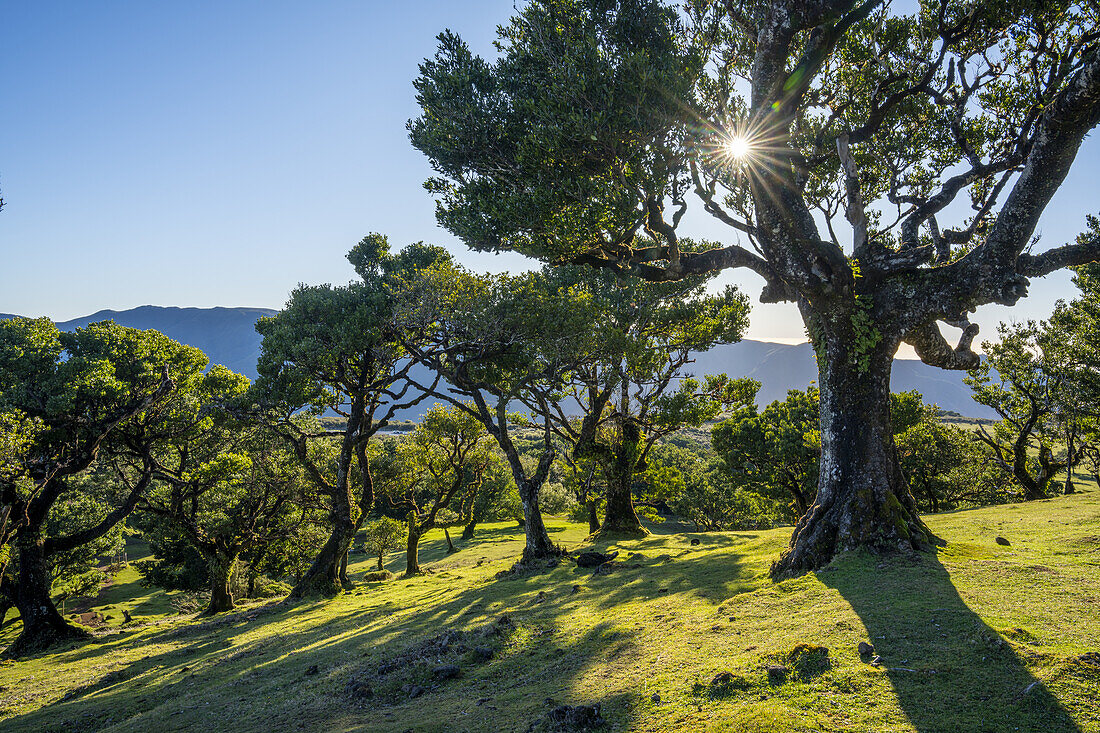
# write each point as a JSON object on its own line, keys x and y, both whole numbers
{"x": 979, "y": 637}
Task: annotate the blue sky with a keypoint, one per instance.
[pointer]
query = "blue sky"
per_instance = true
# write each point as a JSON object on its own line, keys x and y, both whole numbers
{"x": 219, "y": 153}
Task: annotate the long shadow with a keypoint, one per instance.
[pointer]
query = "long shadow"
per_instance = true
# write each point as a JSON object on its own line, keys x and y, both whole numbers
{"x": 929, "y": 641}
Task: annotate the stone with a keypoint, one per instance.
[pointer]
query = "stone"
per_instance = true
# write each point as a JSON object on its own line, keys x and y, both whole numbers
{"x": 655, "y": 698}
{"x": 1002, "y": 541}
{"x": 576, "y": 717}
{"x": 865, "y": 649}
{"x": 593, "y": 559}
{"x": 695, "y": 541}
{"x": 576, "y": 589}
{"x": 447, "y": 672}
{"x": 877, "y": 661}
{"x": 777, "y": 673}
{"x": 311, "y": 669}
{"x": 359, "y": 689}
{"x": 482, "y": 654}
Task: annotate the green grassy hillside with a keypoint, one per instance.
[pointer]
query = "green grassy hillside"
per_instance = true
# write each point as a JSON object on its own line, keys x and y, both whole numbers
{"x": 979, "y": 637}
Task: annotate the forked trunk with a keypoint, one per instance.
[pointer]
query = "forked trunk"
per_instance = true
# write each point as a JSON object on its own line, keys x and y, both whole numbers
{"x": 221, "y": 575}
{"x": 43, "y": 626}
{"x": 862, "y": 498}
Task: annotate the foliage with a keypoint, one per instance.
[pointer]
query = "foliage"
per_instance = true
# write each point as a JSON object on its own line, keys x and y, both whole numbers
{"x": 381, "y": 536}
{"x": 1022, "y": 382}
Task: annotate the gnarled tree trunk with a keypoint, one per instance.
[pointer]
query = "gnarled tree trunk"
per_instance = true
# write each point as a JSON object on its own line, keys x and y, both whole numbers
{"x": 537, "y": 544}
{"x": 43, "y": 626}
{"x": 325, "y": 574}
{"x": 221, "y": 575}
{"x": 862, "y": 498}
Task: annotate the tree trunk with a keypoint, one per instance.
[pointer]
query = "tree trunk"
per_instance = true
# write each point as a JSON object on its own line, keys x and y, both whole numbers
{"x": 221, "y": 574}
{"x": 450, "y": 545}
{"x": 412, "y": 549}
{"x": 344, "y": 567}
{"x": 1068, "y": 488}
{"x": 537, "y": 544}
{"x": 593, "y": 517}
{"x": 43, "y": 626}
{"x": 468, "y": 530}
{"x": 380, "y": 565}
{"x": 862, "y": 498}
{"x": 325, "y": 576}
{"x": 619, "y": 516}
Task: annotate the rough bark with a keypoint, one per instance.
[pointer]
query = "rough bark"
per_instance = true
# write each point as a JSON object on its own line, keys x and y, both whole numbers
{"x": 593, "y": 517}
{"x": 323, "y": 576}
{"x": 620, "y": 518}
{"x": 862, "y": 500}
{"x": 43, "y": 626}
{"x": 537, "y": 544}
{"x": 412, "y": 548}
{"x": 450, "y": 545}
{"x": 221, "y": 574}
{"x": 468, "y": 530}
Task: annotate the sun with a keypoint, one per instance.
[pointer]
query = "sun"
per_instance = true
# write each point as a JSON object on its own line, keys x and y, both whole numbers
{"x": 738, "y": 147}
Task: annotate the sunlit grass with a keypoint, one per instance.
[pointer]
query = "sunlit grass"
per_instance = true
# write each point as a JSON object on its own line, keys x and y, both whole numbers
{"x": 963, "y": 635}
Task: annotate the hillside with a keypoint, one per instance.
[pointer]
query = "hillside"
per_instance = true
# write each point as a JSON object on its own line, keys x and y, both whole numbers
{"x": 228, "y": 337}
{"x": 979, "y": 637}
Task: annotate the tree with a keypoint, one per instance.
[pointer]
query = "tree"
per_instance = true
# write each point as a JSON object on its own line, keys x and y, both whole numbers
{"x": 447, "y": 453}
{"x": 601, "y": 122}
{"x": 947, "y": 468}
{"x": 382, "y": 535}
{"x": 1021, "y": 382}
{"x": 336, "y": 349}
{"x": 497, "y": 340}
{"x": 775, "y": 451}
{"x": 633, "y": 387}
{"x": 486, "y": 498}
{"x": 76, "y": 391}
{"x": 1074, "y": 339}
{"x": 229, "y": 488}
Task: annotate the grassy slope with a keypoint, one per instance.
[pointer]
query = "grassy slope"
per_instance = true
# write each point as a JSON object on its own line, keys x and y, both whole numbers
{"x": 963, "y": 635}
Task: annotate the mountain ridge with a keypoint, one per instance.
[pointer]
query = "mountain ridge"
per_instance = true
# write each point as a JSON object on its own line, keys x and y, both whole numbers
{"x": 228, "y": 336}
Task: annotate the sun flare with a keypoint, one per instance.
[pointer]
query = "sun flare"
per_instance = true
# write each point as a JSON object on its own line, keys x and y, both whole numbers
{"x": 738, "y": 147}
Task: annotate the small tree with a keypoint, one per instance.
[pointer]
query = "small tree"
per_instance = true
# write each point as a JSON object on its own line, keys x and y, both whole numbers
{"x": 496, "y": 341}
{"x": 446, "y": 454}
{"x": 774, "y": 451}
{"x": 633, "y": 387}
{"x": 1021, "y": 382}
{"x": 381, "y": 536}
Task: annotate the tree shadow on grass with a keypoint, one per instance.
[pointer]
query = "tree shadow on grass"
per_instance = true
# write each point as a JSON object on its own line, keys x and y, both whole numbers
{"x": 930, "y": 642}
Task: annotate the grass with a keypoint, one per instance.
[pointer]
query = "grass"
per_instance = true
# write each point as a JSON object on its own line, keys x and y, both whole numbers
{"x": 978, "y": 637}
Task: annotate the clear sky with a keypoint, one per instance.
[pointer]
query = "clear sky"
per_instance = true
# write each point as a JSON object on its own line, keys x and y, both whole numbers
{"x": 219, "y": 153}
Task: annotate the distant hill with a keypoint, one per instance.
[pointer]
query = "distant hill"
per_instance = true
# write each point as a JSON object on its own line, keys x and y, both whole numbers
{"x": 780, "y": 367}
{"x": 228, "y": 336}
